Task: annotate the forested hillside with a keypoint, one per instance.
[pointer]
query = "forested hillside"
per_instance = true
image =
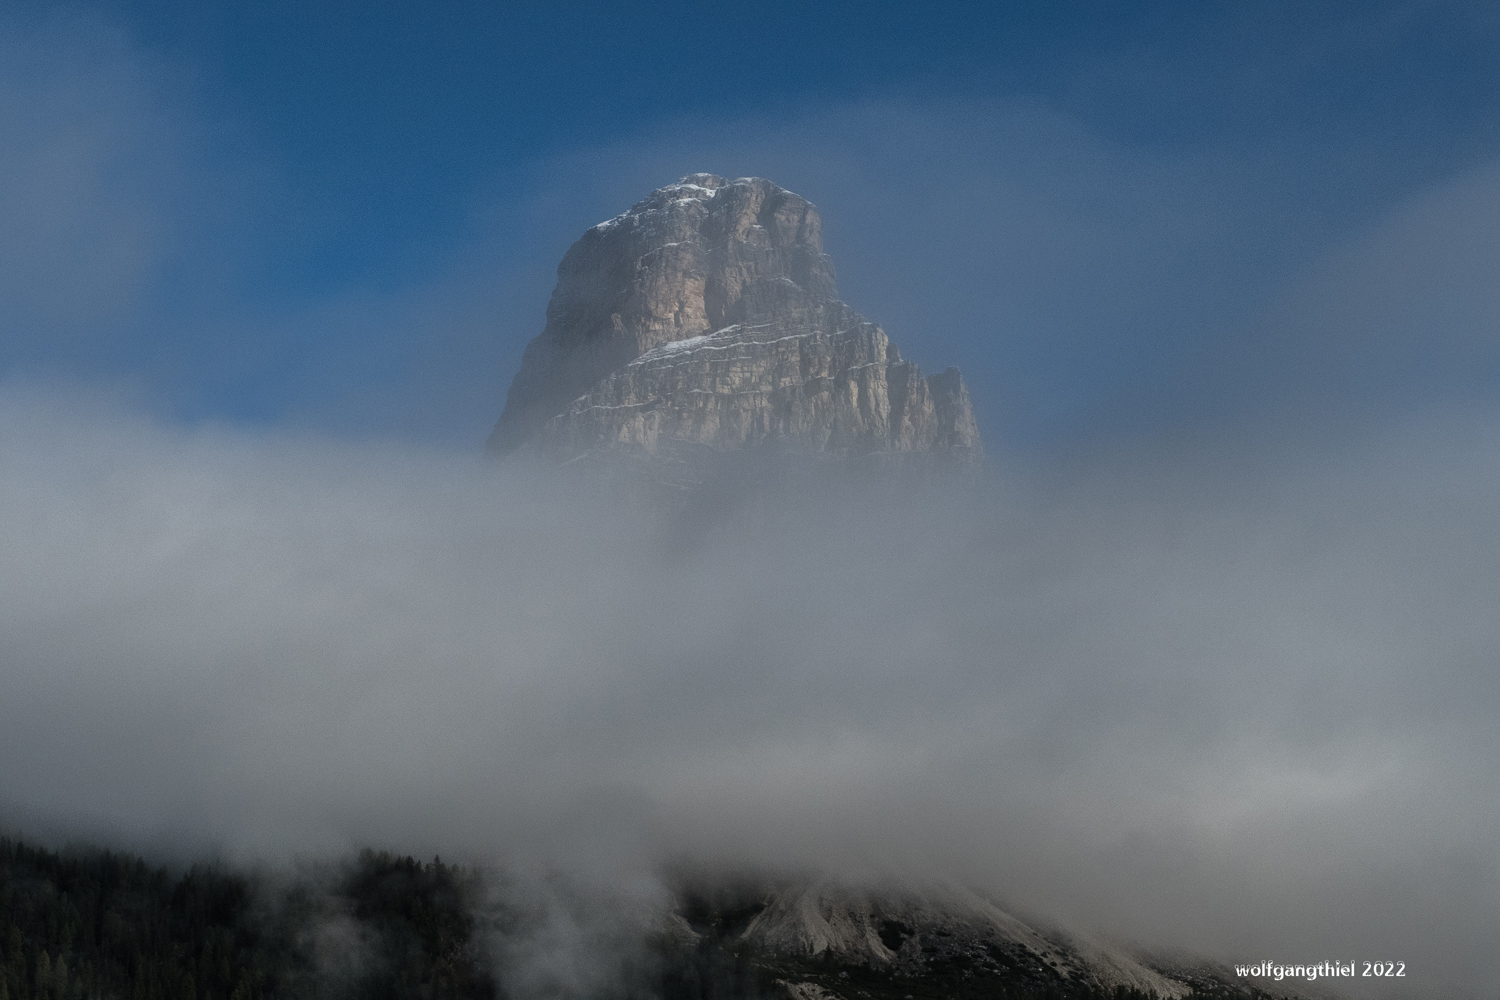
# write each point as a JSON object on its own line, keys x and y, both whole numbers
{"x": 98, "y": 924}
{"x": 101, "y": 925}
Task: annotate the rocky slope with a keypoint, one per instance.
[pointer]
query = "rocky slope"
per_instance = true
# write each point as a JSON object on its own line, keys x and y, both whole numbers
{"x": 912, "y": 935}
{"x": 828, "y": 940}
{"x": 705, "y": 321}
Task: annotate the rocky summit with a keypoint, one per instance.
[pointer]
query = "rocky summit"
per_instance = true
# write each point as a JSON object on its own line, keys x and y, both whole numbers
{"x": 705, "y": 322}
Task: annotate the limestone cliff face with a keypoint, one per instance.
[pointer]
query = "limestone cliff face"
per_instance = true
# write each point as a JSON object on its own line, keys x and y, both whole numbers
{"x": 706, "y": 319}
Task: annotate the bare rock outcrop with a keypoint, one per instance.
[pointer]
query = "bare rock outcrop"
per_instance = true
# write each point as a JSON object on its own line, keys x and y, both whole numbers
{"x": 916, "y": 930}
{"x": 705, "y": 320}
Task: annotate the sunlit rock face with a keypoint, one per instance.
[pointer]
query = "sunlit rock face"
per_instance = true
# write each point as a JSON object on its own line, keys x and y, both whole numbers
{"x": 705, "y": 322}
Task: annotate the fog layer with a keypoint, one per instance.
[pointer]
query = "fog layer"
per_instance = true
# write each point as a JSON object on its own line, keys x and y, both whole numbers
{"x": 1231, "y": 703}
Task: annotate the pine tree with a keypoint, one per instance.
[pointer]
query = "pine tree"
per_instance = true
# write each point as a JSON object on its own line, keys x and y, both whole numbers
{"x": 43, "y": 975}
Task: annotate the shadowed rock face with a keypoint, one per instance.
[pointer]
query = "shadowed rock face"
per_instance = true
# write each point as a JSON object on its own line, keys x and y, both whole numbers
{"x": 705, "y": 320}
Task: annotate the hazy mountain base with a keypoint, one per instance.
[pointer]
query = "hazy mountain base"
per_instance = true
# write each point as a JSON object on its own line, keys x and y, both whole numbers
{"x": 98, "y": 925}
{"x": 932, "y": 955}
{"x": 762, "y": 484}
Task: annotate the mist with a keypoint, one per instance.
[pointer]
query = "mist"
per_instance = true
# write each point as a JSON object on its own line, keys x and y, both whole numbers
{"x": 1240, "y": 701}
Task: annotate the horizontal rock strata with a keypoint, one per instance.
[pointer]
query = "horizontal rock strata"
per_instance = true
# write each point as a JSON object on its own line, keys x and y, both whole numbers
{"x": 706, "y": 318}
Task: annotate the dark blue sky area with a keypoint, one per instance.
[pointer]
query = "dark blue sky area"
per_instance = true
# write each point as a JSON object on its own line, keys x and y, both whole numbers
{"x": 342, "y": 213}
{"x": 394, "y": 112}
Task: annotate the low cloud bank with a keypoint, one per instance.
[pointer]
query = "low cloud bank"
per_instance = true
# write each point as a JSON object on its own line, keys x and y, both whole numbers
{"x": 1244, "y": 704}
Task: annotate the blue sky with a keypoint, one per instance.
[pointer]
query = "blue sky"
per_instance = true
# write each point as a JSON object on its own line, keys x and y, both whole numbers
{"x": 344, "y": 217}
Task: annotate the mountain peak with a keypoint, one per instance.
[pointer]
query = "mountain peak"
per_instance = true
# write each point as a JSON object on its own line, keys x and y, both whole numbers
{"x": 705, "y": 320}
